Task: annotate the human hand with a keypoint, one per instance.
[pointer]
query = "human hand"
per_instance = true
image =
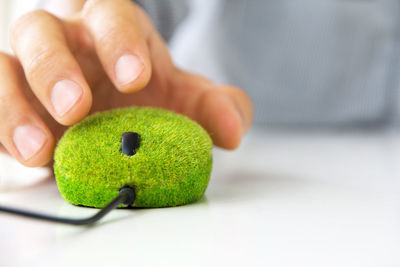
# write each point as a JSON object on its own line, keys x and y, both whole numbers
{"x": 108, "y": 55}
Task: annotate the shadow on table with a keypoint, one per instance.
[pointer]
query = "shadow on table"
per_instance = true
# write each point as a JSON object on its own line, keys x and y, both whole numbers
{"x": 251, "y": 185}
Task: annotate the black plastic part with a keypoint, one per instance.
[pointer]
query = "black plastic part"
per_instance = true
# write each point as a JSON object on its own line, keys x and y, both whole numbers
{"x": 129, "y": 194}
{"x": 129, "y": 143}
{"x": 126, "y": 196}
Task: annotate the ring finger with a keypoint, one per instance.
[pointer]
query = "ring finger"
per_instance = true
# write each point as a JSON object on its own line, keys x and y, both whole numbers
{"x": 22, "y": 131}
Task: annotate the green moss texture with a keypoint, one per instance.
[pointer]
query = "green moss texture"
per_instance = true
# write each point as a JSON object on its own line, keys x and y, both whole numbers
{"x": 171, "y": 167}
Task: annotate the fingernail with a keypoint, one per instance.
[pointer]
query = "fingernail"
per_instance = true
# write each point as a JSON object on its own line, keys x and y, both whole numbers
{"x": 127, "y": 69}
{"x": 29, "y": 140}
{"x": 64, "y": 96}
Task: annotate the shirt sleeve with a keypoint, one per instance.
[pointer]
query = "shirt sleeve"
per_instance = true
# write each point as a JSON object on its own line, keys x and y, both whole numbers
{"x": 166, "y": 15}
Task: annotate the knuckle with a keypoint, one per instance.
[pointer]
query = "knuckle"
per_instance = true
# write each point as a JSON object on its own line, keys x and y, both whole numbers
{"x": 41, "y": 63}
{"x": 28, "y": 26}
{"x": 26, "y": 20}
{"x": 106, "y": 35}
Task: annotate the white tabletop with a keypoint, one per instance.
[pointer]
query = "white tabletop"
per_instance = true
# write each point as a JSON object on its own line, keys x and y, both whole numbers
{"x": 281, "y": 199}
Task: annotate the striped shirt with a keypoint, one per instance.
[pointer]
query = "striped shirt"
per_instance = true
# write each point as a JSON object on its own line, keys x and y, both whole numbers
{"x": 303, "y": 62}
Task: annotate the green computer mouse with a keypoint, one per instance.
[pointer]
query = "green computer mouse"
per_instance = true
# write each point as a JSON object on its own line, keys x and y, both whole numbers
{"x": 164, "y": 156}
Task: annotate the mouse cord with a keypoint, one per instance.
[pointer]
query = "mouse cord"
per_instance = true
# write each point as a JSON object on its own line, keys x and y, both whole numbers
{"x": 126, "y": 196}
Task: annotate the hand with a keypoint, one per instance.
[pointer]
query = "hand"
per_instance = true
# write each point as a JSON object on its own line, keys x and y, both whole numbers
{"x": 106, "y": 56}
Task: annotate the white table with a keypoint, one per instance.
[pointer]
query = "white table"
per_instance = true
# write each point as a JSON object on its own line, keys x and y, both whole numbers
{"x": 282, "y": 199}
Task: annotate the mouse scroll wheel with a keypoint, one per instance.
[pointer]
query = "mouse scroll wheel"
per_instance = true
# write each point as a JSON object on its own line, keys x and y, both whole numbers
{"x": 129, "y": 143}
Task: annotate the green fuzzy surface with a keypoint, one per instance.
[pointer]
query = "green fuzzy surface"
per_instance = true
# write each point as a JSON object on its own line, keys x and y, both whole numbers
{"x": 171, "y": 167}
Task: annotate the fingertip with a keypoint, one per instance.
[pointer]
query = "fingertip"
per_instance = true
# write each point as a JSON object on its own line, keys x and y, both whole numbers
{"x": 33, "y": 145}
{"x": 230, "y": 131}
{"x": 71, "y": 102}
{"x": 131, "y": 73}
{"x": 43, "y": 157}
{"x": 221, "y": 120}
{"x": 242, "y": 103}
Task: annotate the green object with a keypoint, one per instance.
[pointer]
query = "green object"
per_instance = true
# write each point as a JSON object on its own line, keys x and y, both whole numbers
{"x": 171, "y": 167}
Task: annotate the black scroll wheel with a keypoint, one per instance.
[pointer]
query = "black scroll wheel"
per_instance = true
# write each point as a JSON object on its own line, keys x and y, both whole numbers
{"x": 129, "y": 143}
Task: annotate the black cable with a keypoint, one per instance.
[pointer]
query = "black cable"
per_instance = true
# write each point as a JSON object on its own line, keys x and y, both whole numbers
{"x": 126, "y": 196}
